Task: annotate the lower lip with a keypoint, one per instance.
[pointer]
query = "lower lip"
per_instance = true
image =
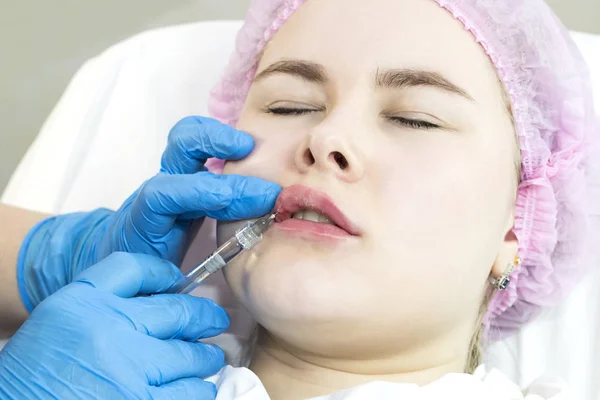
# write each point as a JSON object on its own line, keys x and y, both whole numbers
{"x": 316, "y": 230}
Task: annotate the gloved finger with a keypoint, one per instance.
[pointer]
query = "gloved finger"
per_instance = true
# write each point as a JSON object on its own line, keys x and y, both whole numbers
{"x": 127, "y": 275}
{"x": 170, "y": 360}
{"x": 195, "y": 139}
{"x": 176, "y": 316}
{"x": 188, "y": 388}
{"x": 164, "y": 197}
{"x": 252, "y": 198}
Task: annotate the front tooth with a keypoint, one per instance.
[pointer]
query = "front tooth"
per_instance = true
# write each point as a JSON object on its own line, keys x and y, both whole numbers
{"x": 310, "y": 215}
{"x": 323, "y": 218}
{"x": 298, "y": 215}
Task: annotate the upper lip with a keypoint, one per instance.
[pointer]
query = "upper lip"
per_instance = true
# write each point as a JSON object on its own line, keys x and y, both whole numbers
{"x": 298, "y": 197}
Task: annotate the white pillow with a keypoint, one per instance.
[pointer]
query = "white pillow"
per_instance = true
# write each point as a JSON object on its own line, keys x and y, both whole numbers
{"x": 590, "y": 48}
{"x": 562, "y": 342}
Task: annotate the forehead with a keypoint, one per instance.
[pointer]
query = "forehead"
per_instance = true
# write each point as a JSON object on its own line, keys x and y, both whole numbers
{"x": 353, "y": 37}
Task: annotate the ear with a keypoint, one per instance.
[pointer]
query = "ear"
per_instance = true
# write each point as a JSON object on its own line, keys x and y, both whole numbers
{"x": 506, "y": 256}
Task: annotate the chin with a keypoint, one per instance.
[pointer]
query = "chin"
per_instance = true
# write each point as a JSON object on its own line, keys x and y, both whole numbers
{"x": 325, "y": 303}
{"x": 292, "y": 281}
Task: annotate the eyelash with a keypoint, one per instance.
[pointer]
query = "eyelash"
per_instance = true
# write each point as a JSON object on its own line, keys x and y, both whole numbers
{"x": 411, "y": 123}
{"x": 290, "y": 111}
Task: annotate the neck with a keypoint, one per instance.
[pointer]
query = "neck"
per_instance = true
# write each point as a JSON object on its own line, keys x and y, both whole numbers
{"x": 292, "y": 374}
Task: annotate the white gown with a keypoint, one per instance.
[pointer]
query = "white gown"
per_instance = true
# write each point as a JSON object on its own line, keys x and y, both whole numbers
{"x": 242, "y": 384}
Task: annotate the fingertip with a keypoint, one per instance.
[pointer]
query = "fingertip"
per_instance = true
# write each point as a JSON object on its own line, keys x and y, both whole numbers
{"x": 208, "y": 359}
{"x": 220, "y": 140}
{"x": 238, "y": 144}
{"x": 273, "y": 189}
{"x": 212, "y": 388}
{"x": 270, "y": 198}
{"x": 252, "y": 198}
{"x": 245, "y": 141}
{"x": 217, "y": 356}
{"x": 213, "y": 316}
{"x": 222, "y": 320}
{"x": 261, "y": 194}
{"x": 173, "y": 272}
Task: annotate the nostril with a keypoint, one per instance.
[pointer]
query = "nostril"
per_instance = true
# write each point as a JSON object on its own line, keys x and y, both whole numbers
{"x": 309, "y": 159}
{"x": 339, "y": 159}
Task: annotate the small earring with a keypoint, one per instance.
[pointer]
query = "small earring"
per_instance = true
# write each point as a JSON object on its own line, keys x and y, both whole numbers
{"x": 503, "y": 282}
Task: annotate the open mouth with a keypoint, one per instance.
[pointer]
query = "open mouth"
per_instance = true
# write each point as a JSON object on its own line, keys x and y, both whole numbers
{"x": 301, "y": 209}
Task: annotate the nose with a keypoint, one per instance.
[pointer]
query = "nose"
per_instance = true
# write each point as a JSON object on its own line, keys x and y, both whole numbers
{"x": 330, "y": 152}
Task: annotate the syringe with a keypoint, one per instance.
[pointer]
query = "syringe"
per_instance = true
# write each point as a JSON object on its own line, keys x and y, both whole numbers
{"x": 244, "y": 239}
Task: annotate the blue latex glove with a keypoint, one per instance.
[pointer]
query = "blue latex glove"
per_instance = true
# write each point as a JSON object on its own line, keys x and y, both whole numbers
{"x": 93, "y": 340}
{"x": 156, "y": 219}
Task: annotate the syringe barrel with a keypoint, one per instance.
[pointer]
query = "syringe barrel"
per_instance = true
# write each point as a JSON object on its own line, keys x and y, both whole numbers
{"x": 217, "y": 260}
{"x": 189, "y": 282}
{"x": 245, "y": 238}
{"x": 231, "y": 248}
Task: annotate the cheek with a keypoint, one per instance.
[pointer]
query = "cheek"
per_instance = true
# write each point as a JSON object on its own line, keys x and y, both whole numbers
{"x": 445, "y": 206}
{"x": 445, "y": 178}
{"x": 273, "y": 153}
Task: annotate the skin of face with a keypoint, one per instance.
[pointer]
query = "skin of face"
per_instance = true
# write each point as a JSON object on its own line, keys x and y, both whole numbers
{"x": 434, "y": 204}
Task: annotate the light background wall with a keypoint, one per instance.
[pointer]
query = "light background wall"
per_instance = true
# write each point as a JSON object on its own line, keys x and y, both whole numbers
{"x": 43, "y": 43}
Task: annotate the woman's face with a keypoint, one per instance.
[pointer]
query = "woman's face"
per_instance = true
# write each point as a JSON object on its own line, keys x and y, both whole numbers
{"x": 391, "y": 114}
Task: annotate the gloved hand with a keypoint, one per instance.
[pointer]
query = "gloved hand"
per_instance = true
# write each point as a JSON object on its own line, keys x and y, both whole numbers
{"x": 156, "y": 219}
{"x": 94, "y": 340}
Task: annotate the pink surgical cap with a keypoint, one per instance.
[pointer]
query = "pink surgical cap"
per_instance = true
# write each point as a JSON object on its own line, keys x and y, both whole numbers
{"x": 550, "y": 90}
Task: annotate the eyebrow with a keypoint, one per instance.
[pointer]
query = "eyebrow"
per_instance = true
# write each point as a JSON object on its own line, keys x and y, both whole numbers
{"x": 309, "y": 71}
{"x": 384, "y": 78}
{"x": 403, "y": 78}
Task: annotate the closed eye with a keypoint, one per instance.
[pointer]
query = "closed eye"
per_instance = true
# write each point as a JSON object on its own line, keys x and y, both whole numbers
{"x": 413, "y": 123}
{"x": 291, "y": 110}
